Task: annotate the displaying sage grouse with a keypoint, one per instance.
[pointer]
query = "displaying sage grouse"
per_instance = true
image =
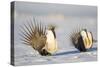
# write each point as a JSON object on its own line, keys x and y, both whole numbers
{"x": 82, "y": 40}
{"x": 40, "y": 38}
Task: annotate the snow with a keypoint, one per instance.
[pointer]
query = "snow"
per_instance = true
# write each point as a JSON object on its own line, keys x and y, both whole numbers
{"x": 25, "y": 55}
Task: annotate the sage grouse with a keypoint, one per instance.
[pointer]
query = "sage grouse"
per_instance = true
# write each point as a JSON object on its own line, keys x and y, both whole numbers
{"x": 40, "y": 38}
{"x": 82, "y": 40}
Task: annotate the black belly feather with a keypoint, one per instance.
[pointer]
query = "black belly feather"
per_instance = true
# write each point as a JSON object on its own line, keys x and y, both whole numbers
{"x": 80, "y": 45}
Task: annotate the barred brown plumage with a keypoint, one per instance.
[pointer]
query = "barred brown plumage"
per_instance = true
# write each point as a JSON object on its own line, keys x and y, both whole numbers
{"x": 36, "y": 35}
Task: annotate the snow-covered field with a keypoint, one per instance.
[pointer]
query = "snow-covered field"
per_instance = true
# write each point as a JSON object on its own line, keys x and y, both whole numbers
{"x": 25, "y": 55}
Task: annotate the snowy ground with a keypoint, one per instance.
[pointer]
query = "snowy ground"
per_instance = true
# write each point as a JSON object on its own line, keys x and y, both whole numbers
{"x": 25, "y": 55}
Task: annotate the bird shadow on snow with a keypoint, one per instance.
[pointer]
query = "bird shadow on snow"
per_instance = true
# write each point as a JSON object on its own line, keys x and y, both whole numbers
{"x": 74, "y": 52}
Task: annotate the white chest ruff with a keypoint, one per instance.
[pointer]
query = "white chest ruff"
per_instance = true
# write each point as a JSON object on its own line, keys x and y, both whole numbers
{"x": 87, "y": 40}
{"x": 51, "y": 43}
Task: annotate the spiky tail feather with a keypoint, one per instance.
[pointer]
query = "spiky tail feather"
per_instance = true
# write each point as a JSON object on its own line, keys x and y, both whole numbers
{"x": 34, "y": 34}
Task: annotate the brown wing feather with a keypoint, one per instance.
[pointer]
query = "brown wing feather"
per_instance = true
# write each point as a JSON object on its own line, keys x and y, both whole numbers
{"x": 34, "y": 34}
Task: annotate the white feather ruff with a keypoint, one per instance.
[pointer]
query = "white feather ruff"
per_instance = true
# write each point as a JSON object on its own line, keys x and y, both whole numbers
{"x": 87, "y": 39}
{"x": 51, "y": 43}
